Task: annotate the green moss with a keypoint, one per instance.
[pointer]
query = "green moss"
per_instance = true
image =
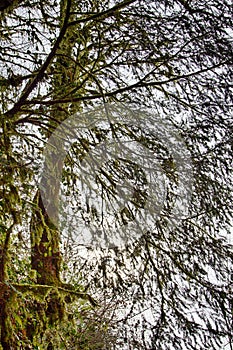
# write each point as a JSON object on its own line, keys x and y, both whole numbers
{"x": 41, "y": 314}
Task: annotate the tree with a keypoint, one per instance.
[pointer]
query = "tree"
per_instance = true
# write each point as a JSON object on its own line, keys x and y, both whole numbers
{"x": 169, "y": 58}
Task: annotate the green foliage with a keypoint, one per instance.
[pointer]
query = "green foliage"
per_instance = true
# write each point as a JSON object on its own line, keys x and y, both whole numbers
{"x": 42, "y": 315}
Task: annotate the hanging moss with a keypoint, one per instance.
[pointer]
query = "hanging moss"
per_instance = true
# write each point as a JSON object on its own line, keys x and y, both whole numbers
{"x": 47, "y": 317}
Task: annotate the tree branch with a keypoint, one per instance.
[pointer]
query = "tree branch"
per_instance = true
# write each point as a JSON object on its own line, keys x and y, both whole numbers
{"x": 140, "y": 84}
{"x": 24, "y": 288}
{"x": 106, "y": 13}
{"x": 31, "y": 86}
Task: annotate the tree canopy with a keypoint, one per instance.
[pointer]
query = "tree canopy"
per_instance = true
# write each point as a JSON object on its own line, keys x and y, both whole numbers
{"x": 93, "y": 78}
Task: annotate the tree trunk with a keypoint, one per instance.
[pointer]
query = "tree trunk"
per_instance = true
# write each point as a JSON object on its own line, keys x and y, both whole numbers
{"x": 45, "y": 250}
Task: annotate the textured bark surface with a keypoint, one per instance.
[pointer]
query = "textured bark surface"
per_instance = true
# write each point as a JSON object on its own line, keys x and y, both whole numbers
{"x": 45, "y": 253}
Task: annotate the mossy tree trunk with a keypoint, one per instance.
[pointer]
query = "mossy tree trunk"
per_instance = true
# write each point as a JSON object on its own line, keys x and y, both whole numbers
{"x": 45, "y": 246}
{"x": 45, "y": 235}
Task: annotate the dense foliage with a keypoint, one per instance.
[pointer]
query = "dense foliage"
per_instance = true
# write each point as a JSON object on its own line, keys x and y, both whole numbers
{"x": 170, "y": 287}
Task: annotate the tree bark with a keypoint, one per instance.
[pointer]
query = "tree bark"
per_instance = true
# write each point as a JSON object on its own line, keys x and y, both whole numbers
{"x": 45, "y": 250}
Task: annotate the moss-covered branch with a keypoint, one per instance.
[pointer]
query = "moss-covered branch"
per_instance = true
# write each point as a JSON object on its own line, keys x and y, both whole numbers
{"x": 40, "y": 290}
